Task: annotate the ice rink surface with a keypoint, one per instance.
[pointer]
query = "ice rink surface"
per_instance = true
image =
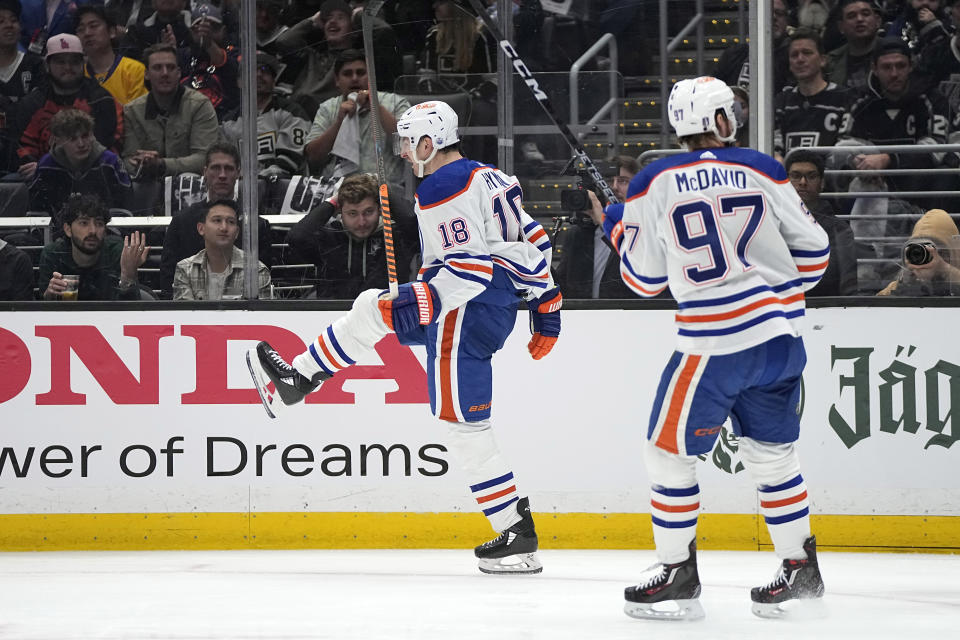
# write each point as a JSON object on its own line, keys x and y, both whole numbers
{"x": 395, "y": 595}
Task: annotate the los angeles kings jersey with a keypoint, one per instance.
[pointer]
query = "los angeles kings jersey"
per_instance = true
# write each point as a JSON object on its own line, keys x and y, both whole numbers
{"x": 477, "y": 241}
{"x": 726, "y": 230}
{"x": 811, "y": 121}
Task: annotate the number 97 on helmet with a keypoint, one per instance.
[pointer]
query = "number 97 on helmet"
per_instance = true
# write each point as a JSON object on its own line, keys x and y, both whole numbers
{"x": 693, "y": 105}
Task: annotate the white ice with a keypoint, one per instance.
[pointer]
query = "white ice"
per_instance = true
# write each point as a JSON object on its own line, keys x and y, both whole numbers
{"x": 394, "y": 594}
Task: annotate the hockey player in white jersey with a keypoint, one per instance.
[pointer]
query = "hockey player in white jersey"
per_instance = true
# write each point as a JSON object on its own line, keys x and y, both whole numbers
{"x": 725, "y": 230}
{"x": 482, "y": 254}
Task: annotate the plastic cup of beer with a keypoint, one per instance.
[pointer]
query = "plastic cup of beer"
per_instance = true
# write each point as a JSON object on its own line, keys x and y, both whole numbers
{"x": 72, "y": 289}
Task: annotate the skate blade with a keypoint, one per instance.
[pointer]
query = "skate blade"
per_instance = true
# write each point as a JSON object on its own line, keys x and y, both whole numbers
{"x": 518, "y": 564}
{"x": 270, "y": 399}
{"x": 796, "y": 609}
{"x": 678, "y": 610}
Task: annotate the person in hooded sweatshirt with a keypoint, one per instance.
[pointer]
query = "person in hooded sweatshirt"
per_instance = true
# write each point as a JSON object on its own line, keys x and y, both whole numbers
{"x": 344, "y": 238}
{"x": 931, "y": 257}
{"x": 77, "y": 163}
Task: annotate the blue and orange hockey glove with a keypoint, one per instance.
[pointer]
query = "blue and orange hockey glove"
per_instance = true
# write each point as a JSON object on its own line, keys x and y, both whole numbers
{"x": 544, "y": 322}
{"x": 416, "y": 304}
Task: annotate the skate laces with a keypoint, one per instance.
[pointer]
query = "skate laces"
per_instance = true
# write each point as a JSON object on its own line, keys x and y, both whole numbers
{"x": 778, "y": 578}
{"x": 656, "y": 578}
{"x": 278, "y": 361}
{"x": 490, "y": 543}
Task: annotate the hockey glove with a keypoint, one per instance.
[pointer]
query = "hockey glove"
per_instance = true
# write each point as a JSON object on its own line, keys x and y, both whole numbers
{"x": 416, "y": 304}
{"x": 544, "y": 322}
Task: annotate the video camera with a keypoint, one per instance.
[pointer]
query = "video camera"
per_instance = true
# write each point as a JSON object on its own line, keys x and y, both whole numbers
{"x": 575, "y": 201}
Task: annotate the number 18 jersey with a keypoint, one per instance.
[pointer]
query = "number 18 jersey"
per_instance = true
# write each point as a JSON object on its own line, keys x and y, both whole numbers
{"x": 478, "y": 242}
{"x": 726, "y": 230}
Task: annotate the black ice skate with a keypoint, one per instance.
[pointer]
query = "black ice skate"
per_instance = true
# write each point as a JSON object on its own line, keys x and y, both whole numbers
{"x": 796, "y": 580}
{"x": 266, "y": 366}
{"x": 513, "y": 551}
{"x": 670, "y": 594}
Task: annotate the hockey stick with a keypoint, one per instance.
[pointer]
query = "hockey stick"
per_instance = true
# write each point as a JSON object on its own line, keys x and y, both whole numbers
{"x": 578, "y": 151}
{"x": 369, "y": 11}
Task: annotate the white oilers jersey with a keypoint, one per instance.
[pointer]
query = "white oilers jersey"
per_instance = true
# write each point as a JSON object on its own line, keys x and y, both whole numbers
{"x": 476, "y": 239}
{"x": 730, "y": 236}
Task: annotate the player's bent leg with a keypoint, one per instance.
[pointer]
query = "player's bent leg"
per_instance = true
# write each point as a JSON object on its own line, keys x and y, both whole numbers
{"x": 348, "y": 339}
{"x": 494, "y": 488}
{"x": 670, "y": 589}
{"x": 775, "y": 467}
{"x": 337, "y": 347}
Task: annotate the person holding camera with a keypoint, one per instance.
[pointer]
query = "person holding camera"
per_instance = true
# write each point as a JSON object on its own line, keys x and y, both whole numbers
{"x": 931, "y": 257}
{"x": 587, "y": 267}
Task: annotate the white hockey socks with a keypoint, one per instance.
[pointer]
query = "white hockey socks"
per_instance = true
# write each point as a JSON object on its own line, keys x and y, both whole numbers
{"x": 783, "y": 494}
{"x": 349, "y": 338}
{"x": 491, "y": 480}
{"x": 674, "y": 502}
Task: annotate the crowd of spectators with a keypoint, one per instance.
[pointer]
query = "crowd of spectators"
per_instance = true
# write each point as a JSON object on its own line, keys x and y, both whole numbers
{"x": 113, "y": 99}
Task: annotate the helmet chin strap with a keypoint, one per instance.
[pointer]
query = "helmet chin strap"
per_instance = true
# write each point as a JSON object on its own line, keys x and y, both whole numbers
{"x": 421, "y": 164}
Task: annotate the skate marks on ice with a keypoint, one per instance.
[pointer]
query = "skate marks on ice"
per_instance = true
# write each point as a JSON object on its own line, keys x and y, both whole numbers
{"x": 412, "y": 594}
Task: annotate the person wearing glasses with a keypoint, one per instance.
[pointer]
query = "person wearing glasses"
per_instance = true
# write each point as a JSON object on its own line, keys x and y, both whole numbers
{"x": 805, "y": 171}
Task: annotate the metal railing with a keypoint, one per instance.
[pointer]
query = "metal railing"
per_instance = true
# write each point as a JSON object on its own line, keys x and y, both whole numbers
{"x": 609, "y": 42}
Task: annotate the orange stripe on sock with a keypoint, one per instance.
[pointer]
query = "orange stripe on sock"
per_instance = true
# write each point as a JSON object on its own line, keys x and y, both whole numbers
{"x": 668, "y": 435}
{"x": 675, "y": 508}
{"x": 772, "y": 504}
{"x": 323, "y": 347}
{"x": 498, "y": 494}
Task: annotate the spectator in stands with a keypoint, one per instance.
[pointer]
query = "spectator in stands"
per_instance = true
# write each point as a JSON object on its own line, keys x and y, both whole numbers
{"x": 282, "y": 125}
{"x": 849, "y": 65}
{"x": 920, "y": 23}
{"x": 107, "y": 264}
{"x": 77, "y": 163}
{"x": 335, "y": 28}
{"x": 734, "y": 64}
{"x": 805, "y": 171}
{"x": 742, "y": 97}
{"x": 211, "y": 64}
{"x": 587, "y": 267}
{"x": 169, "y": 24}
{"x": 458, "y": 43}
{"x": 20, "y": 72}
{"x": 930, "y": 259}
{"x": 269, "y": 29}
{"x": 120, "y": 75}
{"x": 941, "y": 60}
{"x": 170, "y": 129}
{"x": 895, "y": 112}
{"x": 16, "y": 273}
{"x": 343, "y": 237}
{"x": 814, "y": 112}
{"x": 216, "y": 272}
{"x": 221, "y": 171}
{"x": 340, "y": 142}
{"x": 67, "y": 88}
{"x": 43, "y": 19}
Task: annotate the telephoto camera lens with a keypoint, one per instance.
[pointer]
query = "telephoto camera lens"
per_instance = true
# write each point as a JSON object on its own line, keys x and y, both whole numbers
{"x": 917, "y": 253}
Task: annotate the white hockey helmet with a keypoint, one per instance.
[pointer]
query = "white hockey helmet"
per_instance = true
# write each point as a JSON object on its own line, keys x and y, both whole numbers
{"x": 435, "y": 120}
{"x": 693, "y": 105}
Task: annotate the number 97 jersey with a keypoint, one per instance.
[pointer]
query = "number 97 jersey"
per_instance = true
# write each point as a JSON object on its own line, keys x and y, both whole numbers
{"x": 727, "y": 232}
